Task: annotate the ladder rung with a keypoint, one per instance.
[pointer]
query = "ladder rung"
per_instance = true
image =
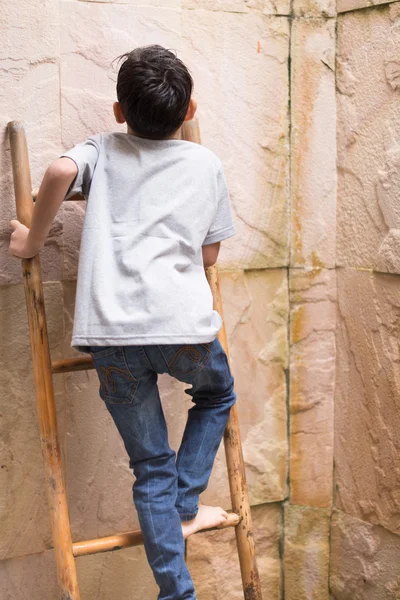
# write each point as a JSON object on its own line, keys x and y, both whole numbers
{"x": 128, "y": 540}
{"x": 107, "y": 544}
{"x": 66, "y": 365}
{"x": 75, "y": 197}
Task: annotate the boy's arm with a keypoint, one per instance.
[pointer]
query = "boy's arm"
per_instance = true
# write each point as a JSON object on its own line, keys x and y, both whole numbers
{"x": 25, "y": 242}
{"x": 210, "y": 254}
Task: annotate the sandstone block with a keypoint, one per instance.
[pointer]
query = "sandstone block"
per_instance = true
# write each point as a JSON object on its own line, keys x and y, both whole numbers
{"x": 243, "y": 95}
{"x": 306, "y": 553}
{"x": 314, "y": 8}
{"x": 364, "y": 562}
{"x": 119, "y": 575}
{"x": 30, "y": 577}
{"x": 87, "y": 54}
{"x": 388, "y": 259}
{"x": 256, "y": 309}
{"x": 267, "y": 7}
{"x": 101, "y": 577}
{"x": 312, "y": 380}
{"x": 29, "y": 93}
{"x": 313, "y": 155}
{"x": 367, "y": 410}
{"x": 24, "y": 518}
{"x": 347, "y": 5}
{"x": 368, "y": 130}
{"x": 140, "y": 3}
{"x": 214, "y": 564}
{"x": 50, "y": 256}
{"x": 37, "y": 33}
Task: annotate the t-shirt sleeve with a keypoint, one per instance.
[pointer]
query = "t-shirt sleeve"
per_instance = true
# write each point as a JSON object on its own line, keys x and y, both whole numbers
{"x": 85, "y": 157}
{"x": 222, "y": 227}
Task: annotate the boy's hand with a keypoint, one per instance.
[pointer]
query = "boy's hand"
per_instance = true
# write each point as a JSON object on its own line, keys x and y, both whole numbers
{"x": 25, "y": 242}
{"x": 19, "y": 241}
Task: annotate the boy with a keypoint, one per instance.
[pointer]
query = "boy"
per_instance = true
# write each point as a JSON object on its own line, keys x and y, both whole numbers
{"x": 157, "y": 210}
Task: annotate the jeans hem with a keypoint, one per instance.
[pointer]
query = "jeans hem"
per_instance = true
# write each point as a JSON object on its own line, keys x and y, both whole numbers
{"x": 187, "y": 516}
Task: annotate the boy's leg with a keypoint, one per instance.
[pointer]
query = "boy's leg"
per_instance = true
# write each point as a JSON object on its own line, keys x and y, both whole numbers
{"x": 205, "y": 366}
{"x": 128, "y": 385}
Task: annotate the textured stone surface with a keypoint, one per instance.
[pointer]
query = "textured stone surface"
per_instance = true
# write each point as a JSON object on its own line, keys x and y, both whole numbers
{"x": 346, "y": 5}
{"x": 51, "y": 255}
{"x": 141, "y": 3}
{"x": 31, "y": 577}
{"x": 256, "y": 309}
{"x": 313, "y": 154}
{"x": 29, "y": 92}
{"x": 21, "y": 84}
{"x": 243, "y": 97}
{"x": 87, "y": 54}
{"x": 37, "y": 32}
{"x": 101, "y": 577}
{"x": 365, "y": 563}
{"x": 214, "y": 563}
{"x": 119, "y": 575}
{"x": 368, "y": 134}
{"x": 24, "y": 520}
{"x": 233, "y": 6}
{"x": 74, "y": 214}
{"x": 268, "y": 7}
{"x": 367, "y": 408}
{"x": 312, "y": 379}
{"x": 306, "y": 553}
{"x": 314, "y": 8}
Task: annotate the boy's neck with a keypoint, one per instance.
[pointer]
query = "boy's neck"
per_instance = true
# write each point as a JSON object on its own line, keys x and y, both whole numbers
{"x": 176, "y": 136}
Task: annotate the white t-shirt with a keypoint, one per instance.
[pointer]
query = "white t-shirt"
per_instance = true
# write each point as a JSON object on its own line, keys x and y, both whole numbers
{"x": 152, "y": 205}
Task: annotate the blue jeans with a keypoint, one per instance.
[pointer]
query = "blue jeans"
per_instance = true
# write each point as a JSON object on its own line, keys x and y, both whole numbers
{"x": 167, "y": 489}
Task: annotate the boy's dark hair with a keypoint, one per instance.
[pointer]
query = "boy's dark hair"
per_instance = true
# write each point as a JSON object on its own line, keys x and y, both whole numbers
{"x": 154, "y": 89}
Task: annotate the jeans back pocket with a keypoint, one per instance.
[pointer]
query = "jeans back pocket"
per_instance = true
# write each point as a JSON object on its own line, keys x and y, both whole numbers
{"x": 117, "y": 384}
{"x": 185, "y": 359}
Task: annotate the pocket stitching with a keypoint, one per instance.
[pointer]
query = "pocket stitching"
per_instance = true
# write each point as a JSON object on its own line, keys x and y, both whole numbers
{"x": 172, "y": 363}
{"x": 128, "y": 398}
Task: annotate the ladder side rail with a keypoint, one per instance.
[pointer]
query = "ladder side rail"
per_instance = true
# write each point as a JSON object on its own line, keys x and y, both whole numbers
{"x": 61, "y": 532}
{"x": 233, "y": 445}
{"x": 47, "y": 418}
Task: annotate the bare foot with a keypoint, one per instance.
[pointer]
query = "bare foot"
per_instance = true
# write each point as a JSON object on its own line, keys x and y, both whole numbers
{"x": 206, "y": 518}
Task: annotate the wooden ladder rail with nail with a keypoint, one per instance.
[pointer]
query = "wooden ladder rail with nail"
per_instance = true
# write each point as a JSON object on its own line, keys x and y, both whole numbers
{"x": 64, "y": 548}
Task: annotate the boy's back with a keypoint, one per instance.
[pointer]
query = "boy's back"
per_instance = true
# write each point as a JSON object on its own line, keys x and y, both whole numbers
{"x": 152, "y": 205}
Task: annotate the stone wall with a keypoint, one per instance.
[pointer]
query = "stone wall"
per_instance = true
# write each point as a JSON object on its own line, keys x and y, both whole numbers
{"x": 309, "y": 286}
{"x": 57, "y": 75}
{"x": 366, "y": 522}
{"x": 312, "y": 289}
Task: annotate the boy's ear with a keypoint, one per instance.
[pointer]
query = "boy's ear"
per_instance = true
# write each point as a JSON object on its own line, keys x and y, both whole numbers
{"x": 191, "y": 111}
{"x": 118, "y": 114}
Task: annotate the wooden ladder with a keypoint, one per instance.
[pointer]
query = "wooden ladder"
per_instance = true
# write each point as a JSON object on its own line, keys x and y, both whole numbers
{"x": 64, "y": 548}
